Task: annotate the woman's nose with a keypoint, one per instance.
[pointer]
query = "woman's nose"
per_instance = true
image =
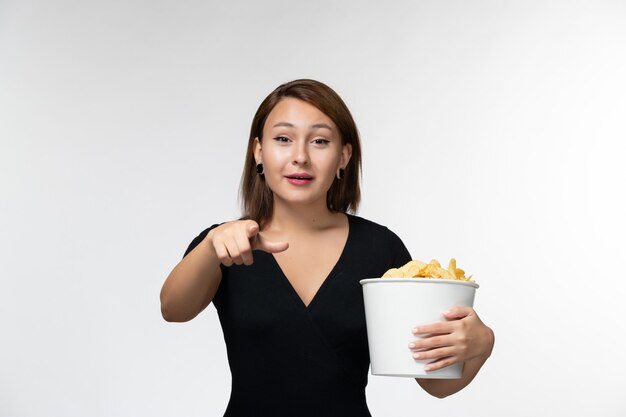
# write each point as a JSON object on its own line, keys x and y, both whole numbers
{"x": 301, "y": 156}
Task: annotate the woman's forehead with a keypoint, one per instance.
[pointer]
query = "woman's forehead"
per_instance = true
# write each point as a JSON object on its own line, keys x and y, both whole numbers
{"x": 293, "y": 112}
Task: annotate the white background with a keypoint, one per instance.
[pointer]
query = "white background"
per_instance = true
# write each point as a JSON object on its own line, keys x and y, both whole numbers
{"x": 492, "y": 131}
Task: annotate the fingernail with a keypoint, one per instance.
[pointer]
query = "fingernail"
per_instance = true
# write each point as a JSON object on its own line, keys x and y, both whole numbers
{"x": 416, "y": 356}
{"x": 427, "y": 368}
{"x": 416, "y": 329}
{"x": 411, "y": 345}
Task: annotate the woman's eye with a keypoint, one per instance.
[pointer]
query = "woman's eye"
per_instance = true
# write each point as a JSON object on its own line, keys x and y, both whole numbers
{"x": 321, "y": 141}
{"x": 282, "y": 139}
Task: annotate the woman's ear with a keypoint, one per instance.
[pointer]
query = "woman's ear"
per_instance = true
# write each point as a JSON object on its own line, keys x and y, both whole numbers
{"x": 257, "y": 151}
{"x": 346, "y": 154}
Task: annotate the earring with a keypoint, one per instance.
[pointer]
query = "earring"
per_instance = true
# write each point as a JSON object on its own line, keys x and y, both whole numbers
{"x": 341, "y": 173}
{"x": 259, "y": 169}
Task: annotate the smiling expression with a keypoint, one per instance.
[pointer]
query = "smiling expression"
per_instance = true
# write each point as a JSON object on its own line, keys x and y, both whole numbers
{"x": 301, "y": 151}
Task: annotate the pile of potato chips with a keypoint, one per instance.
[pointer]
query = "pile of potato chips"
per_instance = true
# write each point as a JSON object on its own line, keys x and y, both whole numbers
{"x": 433, "y": 269}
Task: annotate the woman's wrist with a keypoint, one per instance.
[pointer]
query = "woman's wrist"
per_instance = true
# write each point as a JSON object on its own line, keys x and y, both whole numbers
{"x": 490, "y": 341}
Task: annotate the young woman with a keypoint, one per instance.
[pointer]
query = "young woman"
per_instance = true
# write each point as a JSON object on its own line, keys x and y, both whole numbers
{"x": 285, "y": 278}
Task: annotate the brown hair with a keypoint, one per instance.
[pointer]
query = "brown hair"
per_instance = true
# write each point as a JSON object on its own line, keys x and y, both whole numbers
{"x": 344, "y": 195}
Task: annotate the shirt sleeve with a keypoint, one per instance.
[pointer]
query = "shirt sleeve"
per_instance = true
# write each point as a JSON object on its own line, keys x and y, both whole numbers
{"x": 196, "y": 241}
{"x": 398, "y": 253}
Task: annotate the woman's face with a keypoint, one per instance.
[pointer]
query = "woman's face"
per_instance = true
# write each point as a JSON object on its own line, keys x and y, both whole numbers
{"x": 301, "y": 152}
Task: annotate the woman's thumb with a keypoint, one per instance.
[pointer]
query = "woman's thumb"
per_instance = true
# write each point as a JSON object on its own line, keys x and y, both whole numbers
{"x": 274, "y": 247}
{"x": 269, "y": 246}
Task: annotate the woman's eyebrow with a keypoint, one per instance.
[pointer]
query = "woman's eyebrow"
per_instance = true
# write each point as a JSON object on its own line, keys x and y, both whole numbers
{"x": 313, "y": 126}
{"x": 321, "y": 126}
{"x": 283, "y": 124}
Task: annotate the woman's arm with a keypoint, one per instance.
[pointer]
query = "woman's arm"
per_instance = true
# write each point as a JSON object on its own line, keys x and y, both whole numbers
{"x": 192, "y": 284}
{"x": 463, "y": 338}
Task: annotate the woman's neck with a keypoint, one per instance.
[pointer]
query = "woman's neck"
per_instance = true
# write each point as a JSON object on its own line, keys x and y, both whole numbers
{"x": 303, "y": 218}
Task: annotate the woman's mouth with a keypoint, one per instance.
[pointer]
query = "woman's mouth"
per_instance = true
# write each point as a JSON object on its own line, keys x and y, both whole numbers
{"x": 299, "y": 178}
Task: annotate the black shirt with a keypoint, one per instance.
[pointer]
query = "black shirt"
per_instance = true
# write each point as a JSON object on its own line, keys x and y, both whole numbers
{"x": 289, "y": 359}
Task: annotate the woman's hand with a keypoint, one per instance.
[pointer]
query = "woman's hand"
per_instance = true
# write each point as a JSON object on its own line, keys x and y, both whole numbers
{"x": 234, "y": 242}
{"x": 461, "y": 338}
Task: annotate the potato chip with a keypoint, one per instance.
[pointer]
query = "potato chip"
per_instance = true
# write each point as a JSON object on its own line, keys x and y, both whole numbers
{"x": 412, "y": 268}
{"x": 433, "y": 269}
{"x": 435, "y": 263}
{"x": 394, "y": 273}
{"x": 452, "y": 267}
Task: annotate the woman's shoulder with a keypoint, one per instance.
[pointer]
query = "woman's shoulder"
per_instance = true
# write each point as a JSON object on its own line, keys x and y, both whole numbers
{"x": 362, "y": 222}
{"x": 377, "y": 241}
{"x": 196, "y": 241}
{"x": 364, "y": 225}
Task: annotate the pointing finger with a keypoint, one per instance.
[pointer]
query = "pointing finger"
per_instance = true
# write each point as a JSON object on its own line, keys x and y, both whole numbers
{"x": 253, "y": 229}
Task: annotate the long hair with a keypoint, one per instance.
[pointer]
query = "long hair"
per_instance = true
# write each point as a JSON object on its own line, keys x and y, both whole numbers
{"x": 344, "y": 195}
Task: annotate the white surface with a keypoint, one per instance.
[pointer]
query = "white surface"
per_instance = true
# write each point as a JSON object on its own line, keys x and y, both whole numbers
{"x": 394, "y": 306}
{"x": 493, "y": 132}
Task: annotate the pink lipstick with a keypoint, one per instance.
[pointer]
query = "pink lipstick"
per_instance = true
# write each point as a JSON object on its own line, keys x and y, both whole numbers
{"x": 299, "y": 178}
